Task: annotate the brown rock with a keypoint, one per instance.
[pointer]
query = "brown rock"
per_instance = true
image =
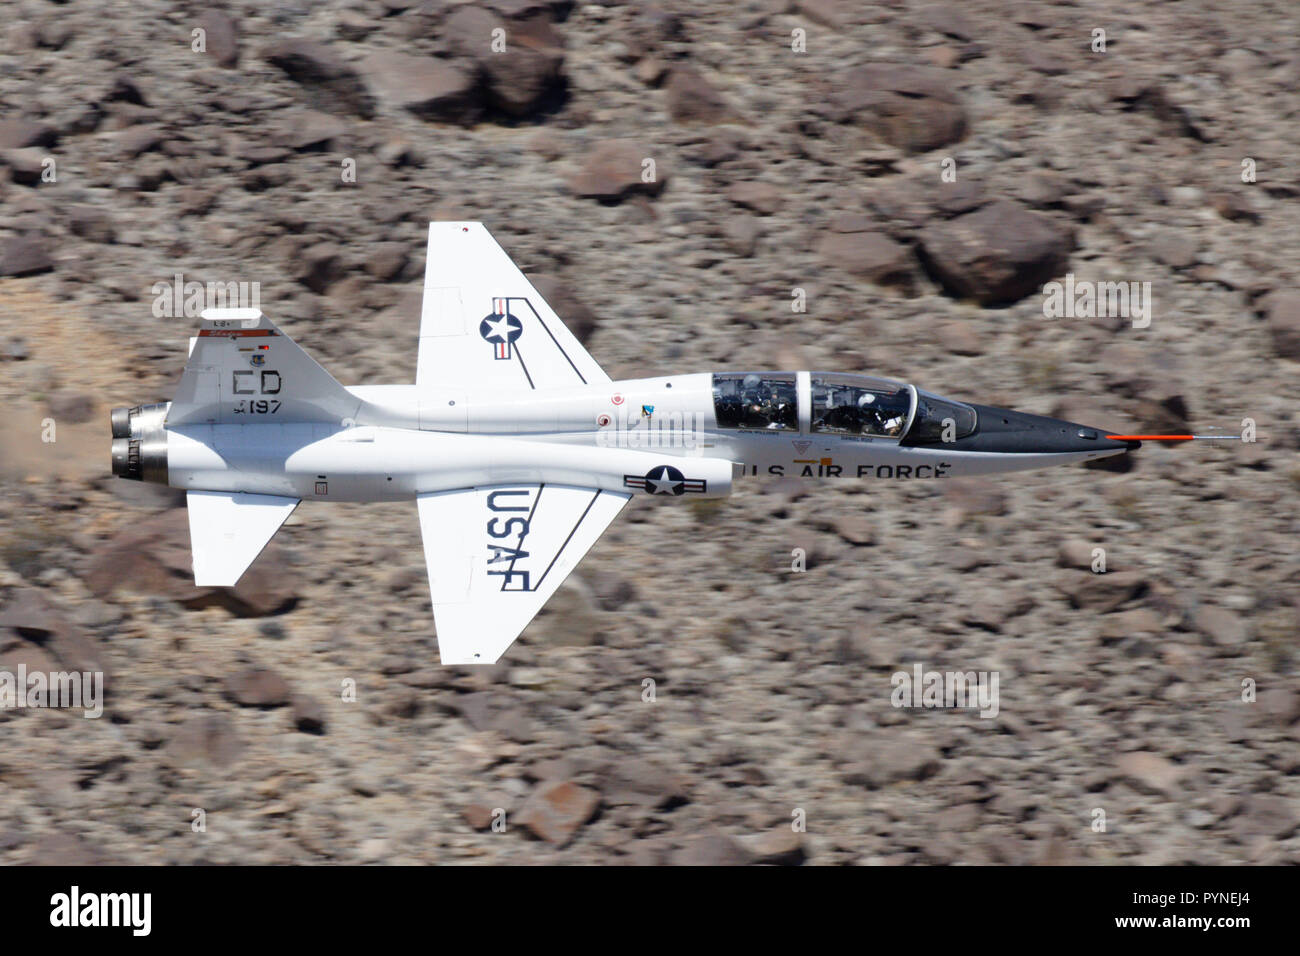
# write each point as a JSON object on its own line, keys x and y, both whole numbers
{"x": 971, "y": 496}
{"x": 960, "y": 338}
{"x": 137, "y": 140}
{"x": 856, "y": 529}
{"x": 74, "y": 407}
{"x": 308, "y": 714}
{"x": 1125, "y": 624}
{"x": 828, "y": 13}
{"x": 1104, "y": 592}
{"x": 741, "y": 234}
{"x": 221, "y": 37}
{"x": 208, "y": 738}
{"x": 387, "y": 260}
{"x": 316, "y": 66}
{"x": 781, "y": 846}
{"x": 997, "y": 254}
{"x": 962, "y": 196}
{"x": 1075, "y": 553}
{"x": 884, "y": 761}
{"x": 712, "y": 849}
{"x": 1234, "y": 205}
{"x": 851, "y": 222}
{"x": 1267, "y": 815}
{"x": 1044, "y": 188}
{"x": 915, "y": 109}
{"x": 1176, "y": 250}
{"x": 309, "y": 129}
{"x": 613, "y": 170}
{"x": 761, "y": 197}
{"x": 1281, "y": 705}
{"x": 25, "y": 256}
{"x": 1043, "y": 58}
{"x": 467, "y": 32}
{"x": 1284, "y": 323}
{"x": 69, "y": 849}
{"x": 478, "y": 815}
{"x": 635, "y": 781}
{"x": 1150, "y": 772}
{"x": 25, "y": 165}
{"x": 948, "y": 19}
{"x": 424, "y": 85}
{"x": 258, "y": 687}
{"x": 530, "y": 73}
{"x": 1225, "y": 628}
{"x": 872, "y": 255}
{"x": 943, "y": 56}
{"x": 556, "y": 810}
{"x": 19, "y": 133}
{"x": 650, "y": 71}
{"x": 32, "y": 617}
{"x": 319, "y": 266}
{"x": 693, "y": 99}
{"x": 722, "y": 146}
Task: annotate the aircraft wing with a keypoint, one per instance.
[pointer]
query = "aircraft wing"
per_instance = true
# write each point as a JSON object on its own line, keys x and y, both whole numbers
{"x": 229, "y": 531}
{"x": 496, "y": 554}
{"x": 483, "y": 323}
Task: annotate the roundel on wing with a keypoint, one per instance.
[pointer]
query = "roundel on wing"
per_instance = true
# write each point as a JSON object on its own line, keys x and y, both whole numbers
{"x": 665, "y": 480}
{"x": 501, "y": 327}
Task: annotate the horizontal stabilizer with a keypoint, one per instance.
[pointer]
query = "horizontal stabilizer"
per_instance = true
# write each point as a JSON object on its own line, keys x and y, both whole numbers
{"x": 229, "y": 531}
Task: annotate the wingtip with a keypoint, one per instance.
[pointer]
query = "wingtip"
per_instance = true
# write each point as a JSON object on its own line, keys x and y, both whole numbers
{"x": 453, "y": 225}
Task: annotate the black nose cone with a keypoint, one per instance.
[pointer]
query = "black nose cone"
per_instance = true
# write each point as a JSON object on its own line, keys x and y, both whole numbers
{"x": 1003, "y": 431}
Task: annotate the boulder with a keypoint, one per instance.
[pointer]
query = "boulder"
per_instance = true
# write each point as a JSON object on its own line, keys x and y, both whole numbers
{"x": 871, "y": 255}
{"x": 19, "y": 133}
{"x": 556, "y": 810}
{"x": 996, "y": 255}
{"x": 1284, "y": 323}
{"x": 915, "y": 109}
{"x": 693, "y": 99}
{"x": 25, "y": 255}
{"x": 221, "y": 37}
{"x": 315, "y": 66}
{"x": 258, "y": 687}
{"x": 613, "y": 171}
{"x": 426, "y": 86}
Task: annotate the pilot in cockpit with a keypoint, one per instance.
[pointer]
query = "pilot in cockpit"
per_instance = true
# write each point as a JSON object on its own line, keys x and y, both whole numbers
{"x": 877, "y": 418}
{"x": 764, "y": 405}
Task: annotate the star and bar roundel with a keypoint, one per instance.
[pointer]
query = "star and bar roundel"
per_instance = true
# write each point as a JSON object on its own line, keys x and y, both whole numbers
{"x": 500, "y": 329}
{"x": 666, "y": 480}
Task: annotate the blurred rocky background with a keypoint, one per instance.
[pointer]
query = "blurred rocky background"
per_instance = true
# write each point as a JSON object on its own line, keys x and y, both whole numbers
{"x": 775, "y": 171}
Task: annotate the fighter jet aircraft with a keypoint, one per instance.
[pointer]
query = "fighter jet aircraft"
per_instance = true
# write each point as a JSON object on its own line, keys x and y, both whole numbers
{"x": 518, "y": 450}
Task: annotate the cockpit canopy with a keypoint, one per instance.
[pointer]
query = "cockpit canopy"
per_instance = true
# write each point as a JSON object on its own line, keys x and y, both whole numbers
{"x": 940, "y": 419}
{"x": 859, "y": 405}
{"x": 766, "y": 400}
{"x": 838, "y": 404}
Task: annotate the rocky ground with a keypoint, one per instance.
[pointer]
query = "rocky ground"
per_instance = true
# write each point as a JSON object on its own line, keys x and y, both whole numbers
{"x": 774, "y": 171}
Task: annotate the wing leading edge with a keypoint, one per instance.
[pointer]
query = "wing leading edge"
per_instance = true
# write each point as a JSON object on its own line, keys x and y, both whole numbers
{"x": 496, "y": 554}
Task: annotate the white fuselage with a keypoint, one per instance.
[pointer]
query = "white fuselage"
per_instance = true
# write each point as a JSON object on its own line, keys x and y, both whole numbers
{"x": 406, "y": 441}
